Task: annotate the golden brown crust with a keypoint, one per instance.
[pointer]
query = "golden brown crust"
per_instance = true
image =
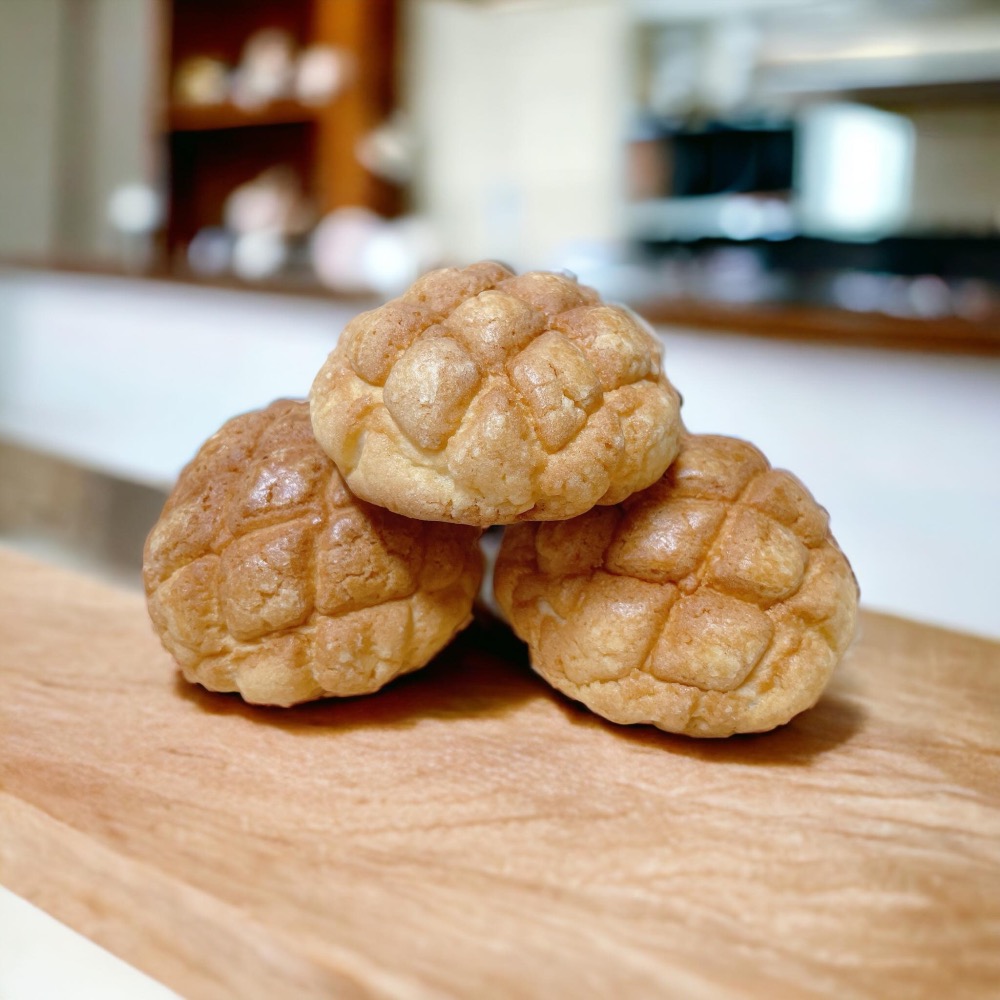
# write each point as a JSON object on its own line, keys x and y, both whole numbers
{"x": 714, "y": 602}
{"x": 481, "y": 397}
{"x": 264, "y": 575}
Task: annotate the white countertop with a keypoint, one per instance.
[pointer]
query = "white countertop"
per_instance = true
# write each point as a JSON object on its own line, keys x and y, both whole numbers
{"x": 42, "y": 959}
{"x": 903, "y": 448}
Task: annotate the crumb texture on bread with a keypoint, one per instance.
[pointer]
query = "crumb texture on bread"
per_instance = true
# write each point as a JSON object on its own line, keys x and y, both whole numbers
{"x": 265, "y": 575}
{"x": 483, "y": 397}
{"x": 714, "y": 602}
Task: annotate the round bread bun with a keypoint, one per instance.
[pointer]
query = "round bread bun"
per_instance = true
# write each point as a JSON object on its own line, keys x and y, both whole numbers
{"x": 481, "y": 397}
{"x": 715, "y": 602}
{"x": 264, "y": 575}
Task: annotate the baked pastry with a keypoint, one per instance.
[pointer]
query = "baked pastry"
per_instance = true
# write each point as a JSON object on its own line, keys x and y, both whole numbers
{"x": 480, "y": 397}
{"x": 714, "y": 602}
{"x": 264, "y": 575}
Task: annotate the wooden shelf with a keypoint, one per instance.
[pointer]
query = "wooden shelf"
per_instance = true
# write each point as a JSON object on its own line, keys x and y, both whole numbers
{"x": 217, "y": 117}
{"x": 808, "y": 322}
{"x": 212, "y": 149}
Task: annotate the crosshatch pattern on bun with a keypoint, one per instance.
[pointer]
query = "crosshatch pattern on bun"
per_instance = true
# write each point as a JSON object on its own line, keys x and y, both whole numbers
{"x": 715, "y": 602}
{"x": 264, "y": 575}
{"x": 481, "y": 397}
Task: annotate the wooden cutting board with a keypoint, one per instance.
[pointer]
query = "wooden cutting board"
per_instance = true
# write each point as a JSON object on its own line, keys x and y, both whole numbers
{"x": 469, "y": 833}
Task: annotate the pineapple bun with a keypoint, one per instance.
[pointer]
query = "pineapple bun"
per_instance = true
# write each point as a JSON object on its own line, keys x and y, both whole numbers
{"x": 480, "y": 397}
{"x": 264, "y": 575}
{"x": 714, "y": 602}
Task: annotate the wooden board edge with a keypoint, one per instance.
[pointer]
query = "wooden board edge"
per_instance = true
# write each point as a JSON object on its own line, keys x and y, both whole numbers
{"x": 189, "y": 941}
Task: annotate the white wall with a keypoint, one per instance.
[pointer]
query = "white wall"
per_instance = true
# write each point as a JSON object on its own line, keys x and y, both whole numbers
{"x": 121, "y": 147}
{"x": 520, "y": 112}
{"x": 76, "y": 101}
{"x": 29, "y": 89}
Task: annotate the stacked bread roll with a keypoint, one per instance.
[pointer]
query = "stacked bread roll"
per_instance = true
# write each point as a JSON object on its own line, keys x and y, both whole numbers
{"x": 657, "y": 576}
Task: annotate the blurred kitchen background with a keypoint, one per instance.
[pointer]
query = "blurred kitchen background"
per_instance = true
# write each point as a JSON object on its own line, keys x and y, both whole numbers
{"x": 829, "y": 154}
{"x": 803, "y": 196}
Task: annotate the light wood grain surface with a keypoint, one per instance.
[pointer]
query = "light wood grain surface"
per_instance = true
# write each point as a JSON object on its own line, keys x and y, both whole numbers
{"x": 467, "y": 832}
